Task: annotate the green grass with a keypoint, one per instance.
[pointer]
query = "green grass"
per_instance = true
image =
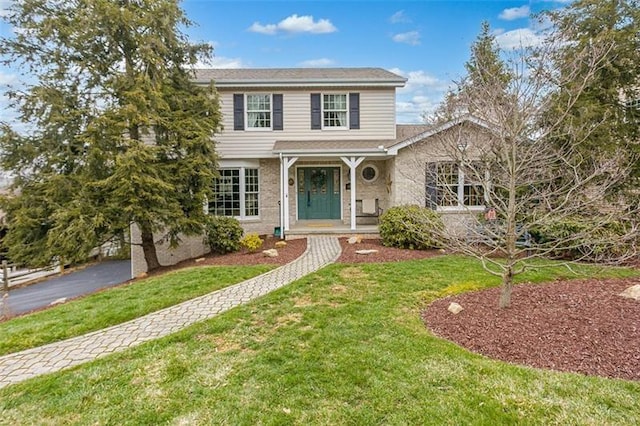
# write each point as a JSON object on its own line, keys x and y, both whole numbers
{"x": 117, "y": 305}
{"x": 342, "y": 346}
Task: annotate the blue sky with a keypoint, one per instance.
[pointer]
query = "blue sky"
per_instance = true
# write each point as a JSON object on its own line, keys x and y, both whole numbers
{"x": 426, "y": 41}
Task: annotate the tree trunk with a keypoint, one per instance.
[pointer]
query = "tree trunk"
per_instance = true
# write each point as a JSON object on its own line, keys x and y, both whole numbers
{"x": 149, "y": 247}
{"x": 507, "y": 285}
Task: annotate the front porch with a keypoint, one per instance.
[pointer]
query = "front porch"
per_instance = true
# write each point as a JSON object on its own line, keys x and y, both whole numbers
{"x": 329, "y": 227}
{"x": 342, "y": 191}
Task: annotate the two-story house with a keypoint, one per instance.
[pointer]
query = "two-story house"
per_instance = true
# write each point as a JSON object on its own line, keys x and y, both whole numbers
{"x": 307, "y": 147}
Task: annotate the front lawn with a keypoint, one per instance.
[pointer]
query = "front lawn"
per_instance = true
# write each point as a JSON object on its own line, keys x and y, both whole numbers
{"x": 345, "y": 345}
{"x": 117, "y": 305}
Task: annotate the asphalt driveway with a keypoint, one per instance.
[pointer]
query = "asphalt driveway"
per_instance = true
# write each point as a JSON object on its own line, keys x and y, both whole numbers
{"x": 70, "y": 285}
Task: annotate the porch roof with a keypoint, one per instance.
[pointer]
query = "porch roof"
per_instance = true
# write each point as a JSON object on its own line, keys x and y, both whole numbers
{"x": 375, "y": 147}
{"x": 314, "y": 148}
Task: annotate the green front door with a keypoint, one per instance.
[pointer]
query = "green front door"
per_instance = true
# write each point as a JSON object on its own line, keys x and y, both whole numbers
{"x": 318, "y": 193}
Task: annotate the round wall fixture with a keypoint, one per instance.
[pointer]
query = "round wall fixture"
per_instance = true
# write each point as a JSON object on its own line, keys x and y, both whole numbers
{"x": 369, "y": 173}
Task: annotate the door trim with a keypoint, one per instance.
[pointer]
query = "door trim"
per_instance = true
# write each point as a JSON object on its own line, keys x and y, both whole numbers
{"x": 317, "y": 166}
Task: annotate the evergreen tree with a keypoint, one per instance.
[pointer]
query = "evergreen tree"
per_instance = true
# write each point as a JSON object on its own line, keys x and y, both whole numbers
{"x": 485, "y": 71}
{"x": 603, "y": 113}
{"x": 117, "y": 131}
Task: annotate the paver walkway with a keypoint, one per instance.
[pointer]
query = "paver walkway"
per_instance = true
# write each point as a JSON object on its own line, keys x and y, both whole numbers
{"x": 57, "y": 356}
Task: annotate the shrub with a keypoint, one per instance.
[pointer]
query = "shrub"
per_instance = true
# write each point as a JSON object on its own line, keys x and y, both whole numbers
{"x": 223, "y": 234}
{"x": 410, "y": 226}
{"x": 588, "y": 237}
{"x": 251, "y": 242}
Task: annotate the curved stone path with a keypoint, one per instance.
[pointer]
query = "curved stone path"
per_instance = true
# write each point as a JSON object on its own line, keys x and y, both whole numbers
{"x": 16, "y": 367}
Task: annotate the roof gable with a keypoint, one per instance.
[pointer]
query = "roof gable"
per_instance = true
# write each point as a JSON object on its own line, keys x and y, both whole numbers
{"x": 433, "y": 130}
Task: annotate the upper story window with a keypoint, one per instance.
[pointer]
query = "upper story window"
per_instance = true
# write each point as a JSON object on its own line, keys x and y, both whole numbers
{"x": 334, "y": 110}
{"x": 258, "y": 111}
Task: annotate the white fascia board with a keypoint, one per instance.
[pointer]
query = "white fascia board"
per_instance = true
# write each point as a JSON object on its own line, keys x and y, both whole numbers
{"x": 319, "y": 153}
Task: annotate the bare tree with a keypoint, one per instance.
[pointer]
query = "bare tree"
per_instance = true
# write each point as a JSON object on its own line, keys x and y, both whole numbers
{"x": 506, "y": 166}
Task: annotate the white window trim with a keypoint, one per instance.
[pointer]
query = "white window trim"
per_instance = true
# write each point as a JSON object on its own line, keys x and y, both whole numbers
{"x": 461, "y": 207}
{"x": 241, "y": 177}
{"x": 246, "y": 113}
{"x": 375, "y": 177}
{"x": 322, "y": 111}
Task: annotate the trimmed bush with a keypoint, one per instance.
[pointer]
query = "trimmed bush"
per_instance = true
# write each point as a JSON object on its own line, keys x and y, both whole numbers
{"x": 251, "y": 242}
{"x": 223, "y": 234}
{"x": 410, "y": 226}
{"x": 588, "y": 237}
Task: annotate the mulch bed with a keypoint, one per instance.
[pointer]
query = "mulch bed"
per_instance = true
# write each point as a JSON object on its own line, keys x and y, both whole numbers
{"x": 577, "y": 325}
{"x": 384, "y": 254}
{"x": 286, "y": 254}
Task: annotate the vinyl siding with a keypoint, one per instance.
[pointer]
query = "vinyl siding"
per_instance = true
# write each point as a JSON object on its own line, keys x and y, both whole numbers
{"x": 377, "y": 121}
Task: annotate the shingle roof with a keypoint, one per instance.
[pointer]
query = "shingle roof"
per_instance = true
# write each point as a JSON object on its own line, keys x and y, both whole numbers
{"x": 403, "y": 132}
{"x": 298, "y": 76}
{"x": 406, "y": 131}
{"x": 332, "y": 145}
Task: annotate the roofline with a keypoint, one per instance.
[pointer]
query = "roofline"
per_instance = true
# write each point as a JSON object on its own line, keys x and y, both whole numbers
{"x": 392, "y": 80}
{"x": 371, "y": 152}
{"x": 302, "y": 83}
{"x": 393, "y": 150}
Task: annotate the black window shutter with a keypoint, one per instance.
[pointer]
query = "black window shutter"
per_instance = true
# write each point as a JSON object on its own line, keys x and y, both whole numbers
{"x": 316, "y": 112}
{"x": 277, "y": 112}
{"x": 431, "y": 189}
{"x": 238, "y": 111}
{"x": 354, "y": 110}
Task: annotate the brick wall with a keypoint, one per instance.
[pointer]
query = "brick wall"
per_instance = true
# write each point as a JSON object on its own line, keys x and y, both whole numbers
{"x": 191, "y": 247}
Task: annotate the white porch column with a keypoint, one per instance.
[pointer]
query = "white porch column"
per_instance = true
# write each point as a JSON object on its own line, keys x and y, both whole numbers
{"x": 282, "y": 203}
{"x": 285, "y": 165}
{"x": 353, "y": 162}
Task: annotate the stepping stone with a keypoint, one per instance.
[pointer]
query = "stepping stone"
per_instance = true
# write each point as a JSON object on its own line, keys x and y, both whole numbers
{"x": 365, "y": 252}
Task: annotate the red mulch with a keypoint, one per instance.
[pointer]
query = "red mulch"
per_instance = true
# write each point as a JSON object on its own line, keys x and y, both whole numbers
{"x": 384, "y": 254}
{"x": 290, "y": 252}
{"x": 578, "y": 325}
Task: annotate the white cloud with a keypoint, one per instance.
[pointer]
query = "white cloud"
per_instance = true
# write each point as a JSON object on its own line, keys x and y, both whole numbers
{"x": 520, "y": 38}
{"x": 399, "y": 18}
{"x": 411, "y": 111}
{"x": 4, "y": 7}
{"x": 317, "y": 63}
{"x": 412, "y": 38}
{"x": 421, "y": 95}
{"x": 515, "y": 13}
{"x": 7, "y": 78}
{"x": 420, "y": 80}
{"x": 221, "y": 62}
{"x": 295, "y": 24}
{"x": 269, "y": 29}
